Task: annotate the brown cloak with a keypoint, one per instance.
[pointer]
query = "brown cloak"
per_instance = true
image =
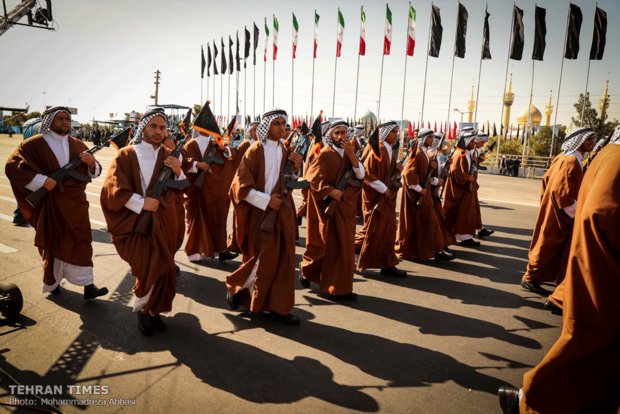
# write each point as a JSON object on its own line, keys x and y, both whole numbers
{"x": 459, "y": 204}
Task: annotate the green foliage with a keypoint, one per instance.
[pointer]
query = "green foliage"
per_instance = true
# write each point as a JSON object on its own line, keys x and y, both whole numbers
{"x": 196, "y": 109}
{"x": 591, "y": 119}
{"x": 540, "y": 144}
{"x": 510, "y": 147}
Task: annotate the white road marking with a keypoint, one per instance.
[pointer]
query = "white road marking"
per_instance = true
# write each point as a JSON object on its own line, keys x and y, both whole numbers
{"x": 6, "y": 249}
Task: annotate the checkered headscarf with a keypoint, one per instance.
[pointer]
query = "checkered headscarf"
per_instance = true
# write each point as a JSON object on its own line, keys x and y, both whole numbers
{"x": 482, "y": 137}
{"x": 574, "y": 140}
{"x": 465, "y": 137}
{"x": 146, "y": 118}
{"x": 48, "y": 117}
{"x": 262, "y": 130}
{"x": 359, "y": 130}
{"x": 249, "y": 129}
{"x": 615, "y": 138}
{"x": 385, "y": 129}
{"x": 436, "y": 139}
{"x": 422, "y": 134}
{"x": 330, "y": 129}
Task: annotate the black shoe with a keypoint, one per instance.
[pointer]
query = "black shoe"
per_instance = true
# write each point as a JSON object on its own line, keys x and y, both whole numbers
{"x": 508, "y": 399}
{"x": 289, "y": 319}
{"x": 484, "y": 232}
{"x": 448, "y": 250}
{"x": 234, "y": 300}
{"x": 299, "y": 218}
{"x": 443, "y": 256}
{"x": 393, "y": 271}
{"x": 534, "y": 287}
{"x": 346, "y": 296}
{"x": 157, "y": 323}
{"x": 555, "y": 309}
{"x": 145, "y": 324}
{"x": 469, "y": 243}
{"x": 91, "y": 292}
{"x": 178, "y": 269}
{"x": 21, "y": 223}
{"x": 56, "y": 291}
{"x": 305, "y": 283}
{"x": 226, "y": 255}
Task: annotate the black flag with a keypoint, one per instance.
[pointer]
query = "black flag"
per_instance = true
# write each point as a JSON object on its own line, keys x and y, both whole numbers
{"x": 215, "y": 72}
{"x": 230, "y": 55}
{"x": 256, "y": 33}
{"x": 237, "y": 57}
{"x": 599, "y": 36}
{"x": 209, "y": 59}
{"x": 203, "y": 63}
{"x": 436, "y": 32}
{"x": 518, "y": 33}
{"x": 223, "y": 66}
{"x": 486, "y": 52}
{"x": 540, "y": 32}
{"x": 461, "y": 31}
{"x": 572, "y": 35}
{"x": 246, "y": 49}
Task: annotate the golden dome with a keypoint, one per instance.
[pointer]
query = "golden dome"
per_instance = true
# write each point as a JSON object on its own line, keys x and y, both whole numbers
{"x": 533, "y": 112}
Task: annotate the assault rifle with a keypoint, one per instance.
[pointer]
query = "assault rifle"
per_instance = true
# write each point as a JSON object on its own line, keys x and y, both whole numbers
{"x": 69, "y": 169}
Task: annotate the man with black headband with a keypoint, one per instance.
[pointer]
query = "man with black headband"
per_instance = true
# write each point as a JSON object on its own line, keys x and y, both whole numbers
{"x": 207, "y": 204}
{"x": 330, "y": 251}
{"x": 376, "y": 240}
{"x": 126, "y": 194}
{"x": 459, "y": 204}
{"x": 266, "y": 279}
{"x": 60, "y": 220}
{"x": 250, "y": 138}
{"x": 420, "y": 235}
{"x": 558, "y": 199}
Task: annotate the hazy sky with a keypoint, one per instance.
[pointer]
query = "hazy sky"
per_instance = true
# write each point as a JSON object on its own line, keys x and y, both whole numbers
{"x": 104, "y": 54}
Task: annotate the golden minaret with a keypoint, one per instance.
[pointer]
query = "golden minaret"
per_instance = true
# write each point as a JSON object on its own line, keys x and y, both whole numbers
{"x": 471, "y": 105}
{"x": 509, "y": 98}
{"x": 603, "y": 104}
{"x": 549, "y": 110}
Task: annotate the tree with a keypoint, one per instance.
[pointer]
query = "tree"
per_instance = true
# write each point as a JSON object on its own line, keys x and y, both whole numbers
{"x": 541, "y": 142}
{"x": 591, "y": 117}
{"x": 510, "y": 147}
{"x": 197, "y": 108}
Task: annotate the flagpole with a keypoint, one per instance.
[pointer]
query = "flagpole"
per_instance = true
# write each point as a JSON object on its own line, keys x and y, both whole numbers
{"x": 452, "y": 70}
{"x": 228, "y": 116}
{"x": 273, "y": 85}
{"x": 526, "y": 136}
{"x": 264, "y": 82}
{"x": 357, "y": 76}
{"x": 583, "y": 106}
{"x": 557, "y": 102}
{"x": 335, "y": 64}
{"x": 512, "y": 22}
{"x": 402, "y": 106}
{"x": 480, "y": 70}
{"x": 313, "y": 61}
{"x": 380, "y": 86}
{"x": 221, "y": 94}
{"x": 428, "y": 48}
{"x": 202, "y": 76}
{"x": 254, "y": 93}
{"x": 292, "y": 84}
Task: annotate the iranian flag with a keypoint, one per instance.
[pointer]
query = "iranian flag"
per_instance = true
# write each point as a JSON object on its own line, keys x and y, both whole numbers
{"x": 387, "y": 39}
{"x": 411, "y": 31}
{"x": 266, "y": 40}
{"x": 316, "y": 33}
{"x": 340, "y": 32}
{"x": 295, "y": 32}
{"x": 363, "y": 34}
{"x": 276, "y": 27}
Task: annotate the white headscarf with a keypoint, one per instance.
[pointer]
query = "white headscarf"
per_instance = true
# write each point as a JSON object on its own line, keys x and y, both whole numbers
{"x": 48, "y": 117}
{"x": 574, "y": 140}
{"x": 262, "y": 130}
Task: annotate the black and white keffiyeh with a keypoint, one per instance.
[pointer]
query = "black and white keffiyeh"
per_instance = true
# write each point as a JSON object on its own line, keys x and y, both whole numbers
{"x": 145, "y": 120}
{"x": 359, "y": 130}
{"x": 385, "y": 129}
{"x": 48, "y": 117}
{"x": 422, "y": 134}
{"x": 573, "y": 141}
{"x": 437, "y": 138}
{"x": 466, "y": 136}
{"x": 249, "y": 129}
{"x": 331, "y": 128}
{"x": 262, "y": 130}
{"x": 482, "y": 137}
{"x": 615, "y": 138}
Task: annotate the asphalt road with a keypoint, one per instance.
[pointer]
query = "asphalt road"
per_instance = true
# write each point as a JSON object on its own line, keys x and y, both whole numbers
{"x": 440, "y": 341}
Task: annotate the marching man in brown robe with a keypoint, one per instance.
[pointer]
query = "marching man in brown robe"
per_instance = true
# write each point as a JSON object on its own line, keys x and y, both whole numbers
{"x": 210, "y": 166}
{"x": 448, "y": 237}
{"x": 250, "y": 138}
{"x": 330, "y": 251}
{"x": 265, "y": 225}
{"x": 377, "y": 238}
{"x": 60, "y": 220}
{"x": 459, "y": 204}
{"x": 558, "y": 199}
{"x": 481, "y": 139}
{"x": 125, "y": 197}
{"x": 581, "y": 371}
{"x": 420, "y": 235}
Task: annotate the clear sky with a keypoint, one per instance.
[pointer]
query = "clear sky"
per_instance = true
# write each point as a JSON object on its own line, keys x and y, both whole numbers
{"x": 104, "y": 54}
